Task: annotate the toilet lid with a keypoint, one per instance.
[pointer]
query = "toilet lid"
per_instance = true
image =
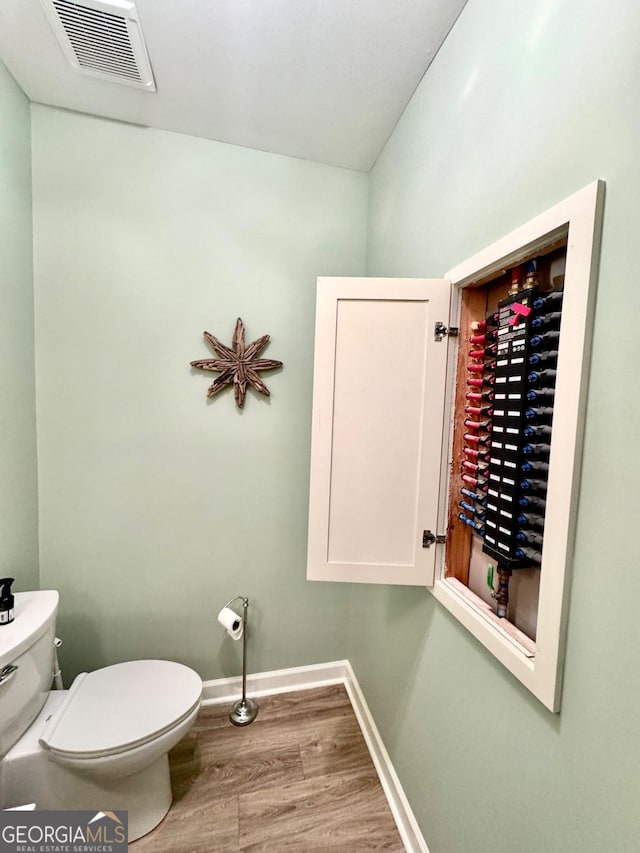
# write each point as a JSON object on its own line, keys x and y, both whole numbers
{"x": 122, "y": 706}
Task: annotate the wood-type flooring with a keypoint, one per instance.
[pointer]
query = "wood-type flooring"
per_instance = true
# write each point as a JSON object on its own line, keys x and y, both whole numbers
{"x": 299, "y": 778}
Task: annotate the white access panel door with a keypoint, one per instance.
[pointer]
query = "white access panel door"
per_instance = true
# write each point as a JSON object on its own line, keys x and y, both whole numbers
{"x": 378, "y": 407}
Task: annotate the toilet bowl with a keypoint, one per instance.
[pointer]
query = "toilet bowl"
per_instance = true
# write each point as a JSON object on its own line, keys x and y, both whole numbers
{"x": 103, "y": 743}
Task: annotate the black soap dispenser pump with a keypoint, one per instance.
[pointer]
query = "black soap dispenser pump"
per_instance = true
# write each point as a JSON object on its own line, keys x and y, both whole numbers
{"x": 6, "y": 601}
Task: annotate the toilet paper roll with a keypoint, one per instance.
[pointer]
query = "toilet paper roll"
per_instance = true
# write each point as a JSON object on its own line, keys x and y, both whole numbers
{"x": 230, "y": 620}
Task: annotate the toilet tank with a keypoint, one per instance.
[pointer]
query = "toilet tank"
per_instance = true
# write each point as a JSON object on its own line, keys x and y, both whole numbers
{"x": 26, "y": 643}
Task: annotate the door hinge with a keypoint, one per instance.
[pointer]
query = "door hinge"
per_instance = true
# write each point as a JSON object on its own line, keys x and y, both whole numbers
{"x": 441, "y": 331}
{"x": 429, "y": 539}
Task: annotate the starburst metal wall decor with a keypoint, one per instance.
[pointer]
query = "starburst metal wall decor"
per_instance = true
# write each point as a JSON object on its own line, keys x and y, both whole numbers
{"x": 237, "y": 364}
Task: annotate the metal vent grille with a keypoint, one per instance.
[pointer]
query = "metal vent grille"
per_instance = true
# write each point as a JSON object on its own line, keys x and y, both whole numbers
{"x": 103, "y": 39}
{"x": 100, "y": 40}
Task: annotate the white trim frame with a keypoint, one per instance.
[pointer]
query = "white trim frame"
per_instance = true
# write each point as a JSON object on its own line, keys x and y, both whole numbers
{"x": 579, "y": 217}
{"x": 321, "y": 675}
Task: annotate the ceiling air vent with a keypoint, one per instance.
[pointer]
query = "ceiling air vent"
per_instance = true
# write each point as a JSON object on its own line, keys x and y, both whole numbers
{"x": 102, "y": 39}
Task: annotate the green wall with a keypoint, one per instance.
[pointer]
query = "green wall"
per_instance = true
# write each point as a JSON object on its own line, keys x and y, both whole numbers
{"x": 156, "y": 506}
{"x": 524, "y": 104}
{"x": 18, "y": 486}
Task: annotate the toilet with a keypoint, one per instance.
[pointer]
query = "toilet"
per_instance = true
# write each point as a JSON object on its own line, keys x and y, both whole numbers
{"x": 103, "y": 744}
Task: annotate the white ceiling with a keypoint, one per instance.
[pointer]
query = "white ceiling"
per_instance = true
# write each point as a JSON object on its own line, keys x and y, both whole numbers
{"x": 323, "y": 80}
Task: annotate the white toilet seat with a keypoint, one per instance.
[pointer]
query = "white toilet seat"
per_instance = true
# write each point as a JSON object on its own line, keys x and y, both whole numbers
{"x": 121, "y": 707}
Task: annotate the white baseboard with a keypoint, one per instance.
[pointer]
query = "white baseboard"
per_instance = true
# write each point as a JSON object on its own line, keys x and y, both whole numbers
{"x": 408, "y": 828}
{"x": 322, "y": 675}
{"x": 278, "y": 681}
